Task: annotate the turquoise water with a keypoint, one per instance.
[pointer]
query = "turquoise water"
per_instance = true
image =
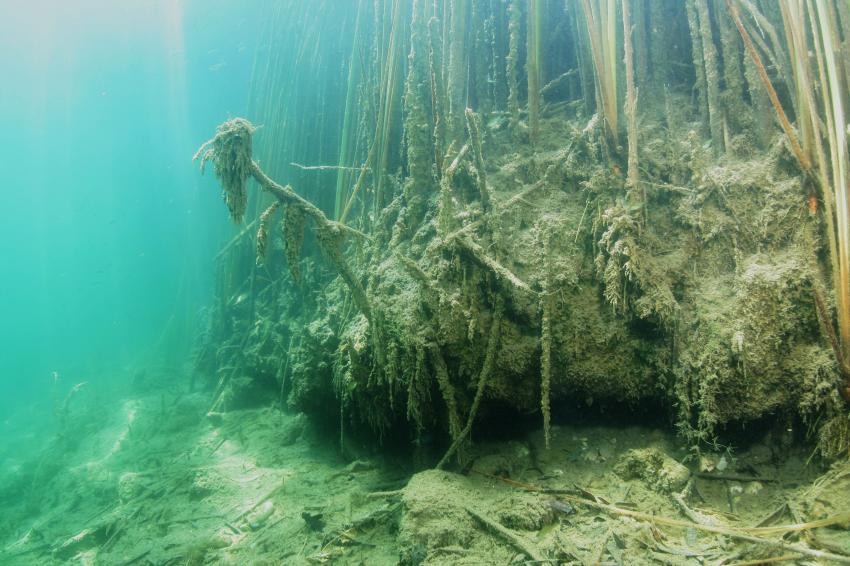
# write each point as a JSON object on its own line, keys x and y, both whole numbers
{"x": 108, "y": 231}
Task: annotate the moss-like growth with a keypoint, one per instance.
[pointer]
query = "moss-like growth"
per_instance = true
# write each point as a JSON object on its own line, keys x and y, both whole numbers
{"x": 745, "y": 357}
{"x": 263, "y": 231}
{"x": 230, "y": 151}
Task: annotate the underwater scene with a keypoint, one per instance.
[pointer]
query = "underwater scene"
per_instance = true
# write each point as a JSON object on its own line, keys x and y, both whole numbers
{"x": 425, "y": 282}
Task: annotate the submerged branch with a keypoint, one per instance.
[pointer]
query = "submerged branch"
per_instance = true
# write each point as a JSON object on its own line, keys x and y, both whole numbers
{"x": 230, "y": 151}
{"x": 556, "y": 82}
{"x": 502, "y": 273}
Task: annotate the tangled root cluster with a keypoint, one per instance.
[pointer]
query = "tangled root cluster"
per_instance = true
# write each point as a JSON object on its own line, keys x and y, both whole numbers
{"x": 230, "y": 151}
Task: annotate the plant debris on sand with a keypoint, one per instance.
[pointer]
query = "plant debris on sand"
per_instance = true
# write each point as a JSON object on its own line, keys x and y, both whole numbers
{"x": 137, "y": 485}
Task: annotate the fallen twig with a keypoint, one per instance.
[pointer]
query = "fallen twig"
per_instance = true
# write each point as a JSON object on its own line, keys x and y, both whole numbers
{"x": 774, "y": 516}
{"x": 499, "y": 209}
{"x": 771, "y": 560}
{"x": 513, "y": 539}
{"x": 231, "y": 152}
{"x": 557, "y": 81}
{"x": 260, "y": 501}
{"x": 218, "y": 445}
{"x": 733, "y": 477}
{"x": 694, "y": 516}
{"x": 745, "y": 533}
{"x": 500, "y": 271}
{"x": 731, "y": 532}
{"x": 385, "y": 494}
{"x": 136, "y": 558}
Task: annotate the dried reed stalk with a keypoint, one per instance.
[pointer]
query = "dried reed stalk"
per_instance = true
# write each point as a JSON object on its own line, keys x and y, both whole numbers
{"x": 804, "y": 161}
{"x": 601, "y": 17}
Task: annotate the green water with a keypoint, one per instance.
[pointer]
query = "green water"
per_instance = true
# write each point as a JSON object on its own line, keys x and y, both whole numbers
{"x": 108, "y": 231}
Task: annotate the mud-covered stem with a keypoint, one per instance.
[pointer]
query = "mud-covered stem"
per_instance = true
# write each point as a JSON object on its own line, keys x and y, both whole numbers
{"x": 329, "y": 234}
{"x": 804, "y": 162}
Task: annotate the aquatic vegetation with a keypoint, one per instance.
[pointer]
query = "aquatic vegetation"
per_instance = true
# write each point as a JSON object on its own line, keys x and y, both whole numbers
{"x": 473, "y": 126}
{"x": 512, "y": 64}
{"x": 486, "y": 370}
{"x": 707, "y": 65}
{"x": 840, "y": 169}
{"x": 347, "y": 135}
{"x": 262, "y": 232}
{"x": 601, "y": 16}
{"x": 805, "y": 164}
{"x": 532, "y": 66}
{"x": 831, "y": 174}
{"x": 630, "y": 107}
{"x": 484, "y": 185}
{"x": 230, "y": 151}
{"x": 418, "y": 120}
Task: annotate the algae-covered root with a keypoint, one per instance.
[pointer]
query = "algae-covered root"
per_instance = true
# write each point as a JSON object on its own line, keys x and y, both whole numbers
{"x": 230, "y": 151}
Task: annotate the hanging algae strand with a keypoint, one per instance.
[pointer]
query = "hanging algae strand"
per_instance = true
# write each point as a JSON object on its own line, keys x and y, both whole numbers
{"x": 263, "y": 231}
{"x": 546, "y": 308}
{"x": 230, "y": 151}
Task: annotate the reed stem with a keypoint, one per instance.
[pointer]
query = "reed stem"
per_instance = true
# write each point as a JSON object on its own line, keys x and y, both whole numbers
{"x": 601, "y": 16}
{"x": 804, "y": 162}
{"x": 532, "y": 68}
{"x": 837, "y": 137}
{"x": 512, "y": 62}
{"x": 630, "y": 108}
{"x": 712, "y": 76}
{"x": 345, "y": 149}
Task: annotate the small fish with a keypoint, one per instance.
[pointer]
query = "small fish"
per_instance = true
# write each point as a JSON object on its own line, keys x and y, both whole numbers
{"x": 813, "y": 204}
{"x": 561, "y": 506}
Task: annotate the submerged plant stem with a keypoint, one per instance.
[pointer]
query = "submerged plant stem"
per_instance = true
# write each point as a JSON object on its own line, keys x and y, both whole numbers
{"x": 804, "y": 162}
{"x": 483, "y": 378}
{"x": 631, "y": 98}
